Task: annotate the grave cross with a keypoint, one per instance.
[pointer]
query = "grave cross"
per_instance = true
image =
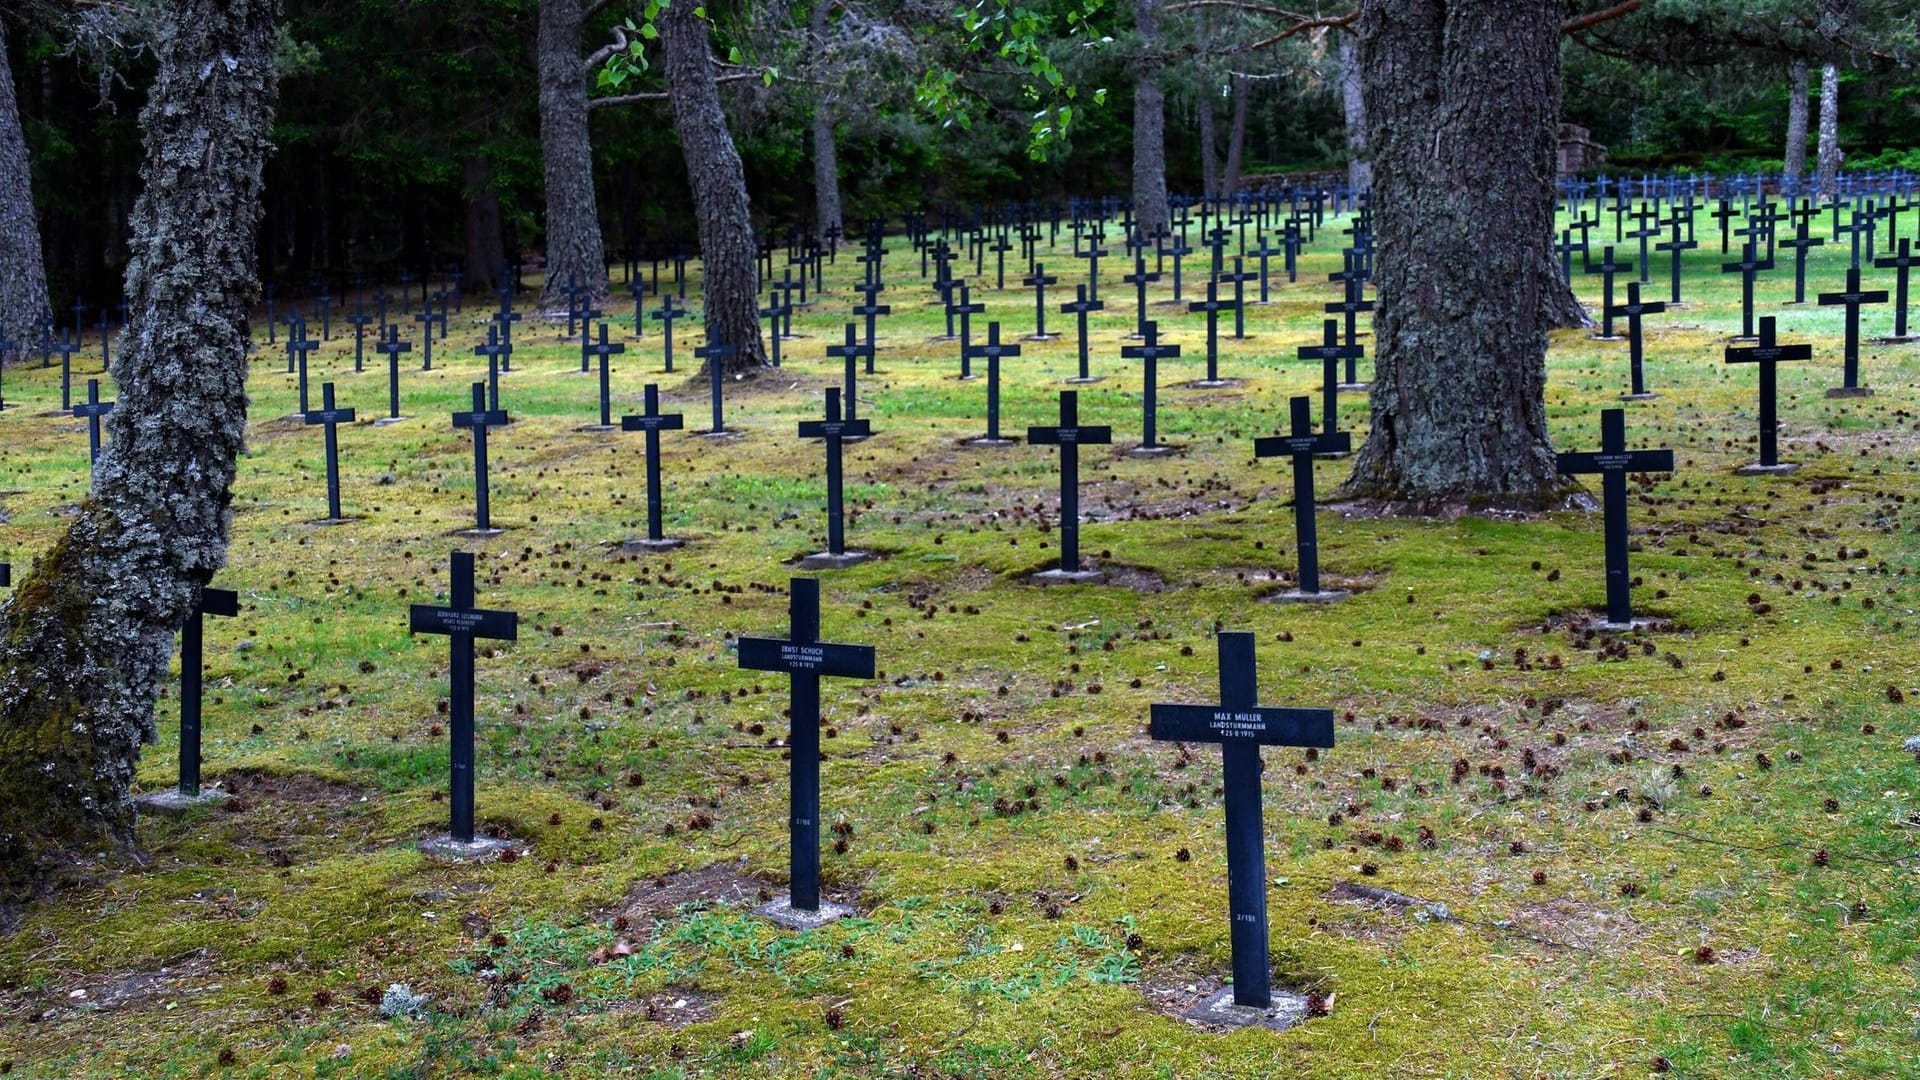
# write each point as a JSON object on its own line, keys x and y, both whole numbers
{"x": 66, "y": 345}
{"x": 1633, "y": 310}
{"x": 1900, "y": 264}
{"x": 637, "y": 287}
{"x": 806, "y": 660}
{"x": 664, "y": 315}
{"x": 603, "y": 350}
{"x": 1213, "y": 306}
{"x": 1748, "y": 268}
{"x": 1140, "y": 279}
{"x": 850, "y": 353}
{"x": 1675, "y": 246}
{"x": 478, "y": 420}
{"x": 221, "y": 602}
{"x": 1767, "y": 353}
{"x": 991, "y": 351}
{"x": 776, "y": 307}
{"x": 1852, "y": 298}
{"x": 1349, "y": 309}
{"x": 331, "y": 418}
{"x": 1150, "y": 352}
{"x": 870, "y": 311}
{"x": 1607, "y": 268}
{"x": 1069, "y": 435}
{"x": 1613, "y": 463}
{"x": 1079, "y": 308}
{"x": 1301, "y": 445}
{"x": 653, "y": 422}
{"x": 392, "y": 347}
{"x": 426, "y": 318}
{"x": 299, "y": 344}
{"x": 1038, "y": 281}
{"x": 1800, "y": 243}
{"x": 835, "y": 431}
{"x": 1241, "y": 726}
{"x": 93, "y": 409}
{"x": 966, "y": 309}
{"x": 1239, "y": 277}
{"x": 359, "y": 319}
{"x": 494, "y": 350}
{"x": 1330, "y": 352}
{"x": 716, "y": 356}
{"x": 461, "y": 622}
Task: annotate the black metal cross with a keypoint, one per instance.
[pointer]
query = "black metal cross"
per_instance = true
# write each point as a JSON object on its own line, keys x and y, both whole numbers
{"x": 991, "y": 351}
{"x": 1633, "y": 310}
{"x": 1767, "y": 353}
{"x": 603, "y": 349}
{"x": 93, "y": 409}
{"x": 1038, "y": 282}
{"x": 392, "y": 347}
{"x": 478, "y": 420}
{"x": 1851, "y": 299}
{"x": 1330, "y": 352}
{"x": 1900, "y": 264}
{"x": 1613, "y": 463}
{"x": 1213, "y": 306}
{"x": 1301, "y": 445}
{"x": 1070, "y": 435}
{"x": 1079, "y": 308}
{"x": 664, "y": 315}
{"x": 331, "y": 418}
{"x": 1748, "y": 268}
{"x": 716, "y": 355}
{"x": 461, "y": 622}
{"x": 850, "y": 353}
{"x": 222, "y": 602}
{"x": 1675, "y": 246}
{"x": 1150, "y": 352}
{"x": 1140, "y": 279}
{"x": 652, "y": 421}
{"x": 1241, "y": 726}
{"x": 835, "y": 430}
{"x": 966, "y": 308}
{"x": 1607, "y": 268}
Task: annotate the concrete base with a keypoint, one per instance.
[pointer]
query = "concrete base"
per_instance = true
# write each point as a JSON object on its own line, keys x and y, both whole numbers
{"x": 1067, "y": 577}
{"x": 726, "y": 433}
{"x": 1078, "y": 381}
{"x": 482, "y": 848}
{"x": 175, "y": 801}
{"x": 782, "y": 913}
{"x": 598, "y": 428}
{"x": 1295, "y": 596}
{"x": 1287, "y": 1010}
{"x": 1212, "y": 384}
{"x": 966, "y": 378}
{"x": 828, "y": 560}
{"x": 983, "y": 441}
{"x": 644, "y": 546}
{"x": 1892, "y": 340}
{"x": 1353, "y": 387}
{"x": 1757, "y": 469}
{"x": 1041, "y": 337}
{"x": 1607, "y": 337}
{"x": 1638, "y": 397}
{"x": 478, "y": 534}
{"x": 385, "y": 420}
{"x": 1849, "y": 391}
{"x": 332, "y": 521}
{"x": 1157, "y": 450}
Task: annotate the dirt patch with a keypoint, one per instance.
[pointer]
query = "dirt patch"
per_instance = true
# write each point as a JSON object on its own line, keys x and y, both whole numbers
{"x": 676, "y": 1007}
{"x": 659, "y": 898}
{"x": 1569, "y": 924}
{"x": 1112, "y": 575}
{"x": 305, "y": 789}
{"x": 119, "y": 991}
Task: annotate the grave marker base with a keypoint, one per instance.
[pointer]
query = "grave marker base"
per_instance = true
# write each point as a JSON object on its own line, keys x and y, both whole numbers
{"x": 781, "y": 912}
{"x": 725, "y": 433}
{"x": 478, "y": 534}
{"x": 1159, "y": 450}
{"x": 828, "y": 560}
{"x": 1078, "y": 381}
{"x": 1041, "y": 337}
{"x": 326, "y": 522}
{"x": 481, "y": 848}
{"x": 1849, "y": 391}
{"x": 1288, "y": 1009}
{"x": 175, "y": 801}
{"x": 1757, "y": 469}
{"x": 643, "y": 546}
{"x": 983, "y": 441}
{"x": 1211, "y": 384}
{"x": 1893, "y": 340}
{"x": 1639, "y": 397}
{"x": 596, "y": 428}
{"x": 1354, "y": 387}
{"x": 1295, "y": 596}
{"x": 386, "y": 420}
{"x": 1058, "y": 576}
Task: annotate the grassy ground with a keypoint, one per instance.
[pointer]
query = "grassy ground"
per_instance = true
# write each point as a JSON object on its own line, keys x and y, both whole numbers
{"x": 1692, "y": 854}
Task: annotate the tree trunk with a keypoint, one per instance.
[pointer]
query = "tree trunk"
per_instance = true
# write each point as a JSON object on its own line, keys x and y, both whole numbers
{"x": 728, "y": 257}
{"x": 826, "y": 151}
{"x": 1463, "y": 100}
{"x": 1237, "y": 137}
{"x": 1359, "y": 168}
{"x": 1209, "y": 147}
{"x": 1829, "y": 162}
{"x": 1149, "y": 125}
{"x": 486, "y": 250}
{"x": 23, "y": 276}
{"x": 574, "y": 250}
{"x": 89, "y": 631}
{"x": 1793, "y": 164}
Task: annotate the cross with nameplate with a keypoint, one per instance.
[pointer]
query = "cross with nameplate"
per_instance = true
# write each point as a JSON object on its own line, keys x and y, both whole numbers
{"x": 426, "y": 318}
{"x": 392, "y": 347}
{"x": 966, "y": 308}
{"x": 66, "y": 345}
{"x": 668, "y": 311}
{"x": 461, "y": 622}
{"x": 602, "y": 351}
{"x": 652, "y": 421}
{"x": 1613, "y": 463}
{"x": 1038, "y": 282}
{"x": 359, "y": 320}
{"x": 715, "y": 356}
{"x": 850, "y": 354}
{"x": 299, "y": 345}
{"x": 1149, "y": 353}
{"x": 1301, "y": 445}
{"x": 1900, "y": 264}
{"x": 1766, "y": 354}
{"x": 1748, "y": 268}
{"x": 93, "y": 409}
{"x": 208, "y": 601}
{"x": 992, "y": 351}
{"x": 772, "y": 312}
{"x": 869, "y": 310}
{"x": 1349, "y": 308}
{"x": 1079, "y": 308}
{"x": 1069, "y": 435}
{"x": 1213, "y": 306}
{"x": 1330, "y": 352}
{"x": 495, "y": 350}
{"x": 805, "y": 659}
{"x": 835, "y": 430}
{"x": 1241, "y": 726}
{"x": 478, "y": 420}
{"x": 1239, "y": 278}
{"x": 1140, "y": 279}
{"x": 1801, "y": 242}
{"x": 1852, "y": 298}
{"x": 1633, "y": 310}
{"x": 330, "y": 417}
{"x": 1607, "y": 268}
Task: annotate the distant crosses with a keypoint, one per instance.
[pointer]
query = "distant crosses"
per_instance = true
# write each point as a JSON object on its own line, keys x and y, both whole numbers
{"x": 1900, "y": 264}
{"x": 602, "y": 351}
{"x": 992, "y": 351}
{"x": 330, "y": 418}
{"x": 219, "y": 602}
{"x": 1079, "y": 308}
{"x": 1748, "y": 268}
{"x": 1140, "y": 279}
{"x": 1800, "y": 243}
{"x": 1301, "y": 445}
{"x": 1329, "y": 352}
{"x": 716, "y": 355}
{"x": 1851, "y": 299}
{"x": 664, "y": 315}
{"x": 1038, "y": 282}
{"x": 478, "y": 420}
{"x": 1766, "y": 354}
{"x": 461, "y": 622}
{"x": 850, "y": 353}
{"x": 392, "y": 347}
{"x": 653, "y": 422}
{"x": 1633, "y": 310}
{"x": 1607, "y": 268}
{"x": 1069, "y": 435}
{"x": 1241, "y": 726}
{"x": 835, "y": 431}
{"x": 805, "y": 659}
{"x": 93, "y": 409}
{"x": 1613, "y": 463}
{"x": 1213, "y": 306}
{"x": 1149, "y": 353}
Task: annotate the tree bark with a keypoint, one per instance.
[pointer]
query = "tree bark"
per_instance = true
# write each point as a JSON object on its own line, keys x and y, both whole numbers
{"x": 23, "y": 273}
{"x": 826, "y": 149}
{"x": 1829, "y": 161}
{"x": 88, "y": 633}
{"x": 486, "y": 248}
{"x": 574, "y": 249}
{"x": 1462, "y": 100}
{"x": 1793, "y": 163}
{"x": 728, "y": 257}
{"x": 1237, "y": 137}
{"x": 1209, "y": 147}
{"x": 1359, "y": 168}
{"x": 1150, "y": 212}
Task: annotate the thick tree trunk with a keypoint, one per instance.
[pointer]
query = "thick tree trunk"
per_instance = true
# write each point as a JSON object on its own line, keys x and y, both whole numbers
{"x": 1353, "y": 102}
{"x": 1463, "y": 101}
{"x": 486, "y": 250}
{"x": 1209, "y": 147}
{"x": 1237, "y": 137}
{"x": 1149, "y": 124}
{"x": 574, "y": 250}
{"x": 88, "y": 634}
{"x": 23, "y": 275}
{"x": 1793, "y": 163}
{"x": 728, "y": 257}
{"x": 826, "y": 150}
{"x": 1829, "y": 163}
